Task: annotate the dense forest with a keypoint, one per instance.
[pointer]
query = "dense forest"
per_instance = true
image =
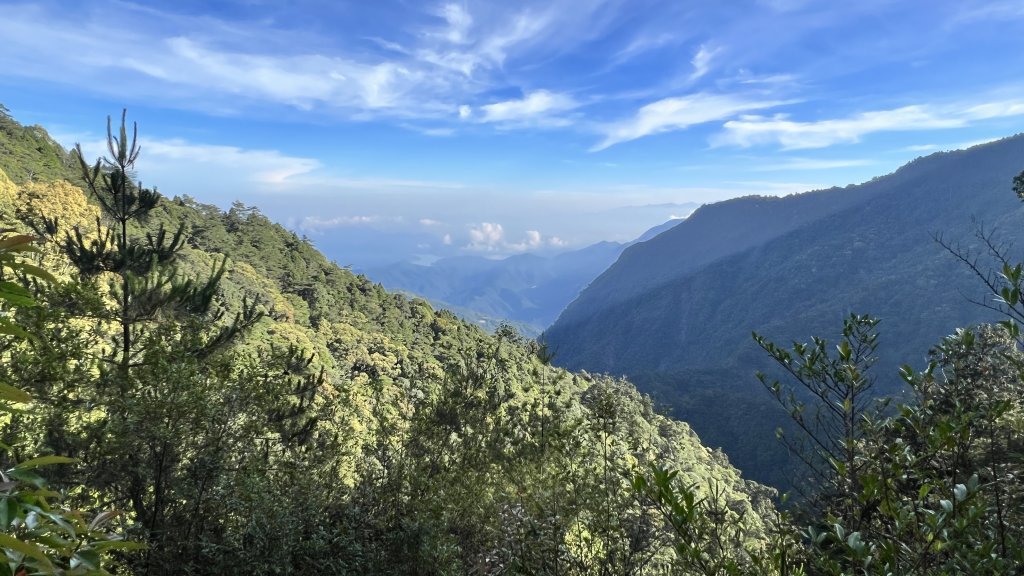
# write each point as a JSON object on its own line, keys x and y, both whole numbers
{"x": 192, "y": 390}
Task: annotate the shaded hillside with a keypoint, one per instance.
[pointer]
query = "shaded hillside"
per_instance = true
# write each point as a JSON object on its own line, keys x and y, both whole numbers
{"x": 676, "y": 313}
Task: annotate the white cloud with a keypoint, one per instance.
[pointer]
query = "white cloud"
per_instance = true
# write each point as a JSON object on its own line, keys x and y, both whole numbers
{"x": 459, "y": 22}
{"x": 487, "y": 236}
{"x": 177, "y": 155}
{"x": 702, "y": 60}
{"x": 539, "y": 105}
{"x": 314, "y": 224}
{"x": 204, "y": 63}
{"x": 264, "y": 166}
{"x": 429, "y": 222}
{"x": 227, "y": 172}
{"x": 998, "y": 109}
{"x": 678, "y": 114}
{"x": 490, "y": 237}
{"x": 645, "y": 43}
{"x": 746, "y": 77}
{"x": 435, "y": 131}
{"x": 531, "y": 241}
{"x": 465, "y": 112}
{"x": 447, "y": 240}
{"x": 792, "y": 134}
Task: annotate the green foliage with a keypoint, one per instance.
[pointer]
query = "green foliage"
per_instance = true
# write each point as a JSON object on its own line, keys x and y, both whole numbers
{"x": 28, "y": 153}
{"x": 938, "y": 481}
{"x": 36, "y": 535}
{"x": 838, "y": 386}
{"x": 708, "y": 537}
{"x": 335, "y": 428}
{"x": 39, "y": 537}
{"x": 146, "y": 351}
{"x": 344, "y": 430}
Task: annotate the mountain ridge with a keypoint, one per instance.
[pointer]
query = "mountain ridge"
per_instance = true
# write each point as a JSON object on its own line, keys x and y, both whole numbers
{"x": 681, "y": 333}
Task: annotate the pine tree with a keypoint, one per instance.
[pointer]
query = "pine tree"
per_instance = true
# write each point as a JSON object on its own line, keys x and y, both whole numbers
{"x": 155, "y": 371}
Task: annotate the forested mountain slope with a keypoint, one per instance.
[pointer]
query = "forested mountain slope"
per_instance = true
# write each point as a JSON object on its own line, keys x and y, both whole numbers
{"x": 285, "y": 415}
{"x": 676, "y": 313}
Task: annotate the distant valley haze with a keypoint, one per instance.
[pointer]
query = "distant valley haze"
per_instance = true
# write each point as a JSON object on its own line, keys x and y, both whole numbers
{"x": 390, "y": 132}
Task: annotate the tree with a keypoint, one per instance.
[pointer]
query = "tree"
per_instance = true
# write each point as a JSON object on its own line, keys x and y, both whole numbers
{"x": 939, "y": 478}
{"x": 830, "y": 404}
{"x": 156, "y": 371}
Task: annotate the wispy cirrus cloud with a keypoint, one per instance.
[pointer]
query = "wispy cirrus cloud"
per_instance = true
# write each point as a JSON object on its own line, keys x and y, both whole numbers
{"x": 444, "y": 56}
{"x": 792, "y": 134}
{"x": 643, "y": 44}
{"x": 301, "y": 81}
{"x": 255, "y": 166}
{"x": 702, "y": 60}
{"x": 989, "y": 10}
{"x": 459, "y": 21}
{"x": 231, "y": 168}
{"x": 678, "y": 114}
{"x": 540, "y": 107}
{"x": 265, "y": 166}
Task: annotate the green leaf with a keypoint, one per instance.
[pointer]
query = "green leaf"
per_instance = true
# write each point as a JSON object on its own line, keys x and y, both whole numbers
{"x": 16, "y": 243}
{"x": 30, "y": 550}
{"x": 118, "y": 545}
{"x": 27, "y": 476}
{"x": 960, "y": 492}
{"x": 88, "y": 558}
{"x": 12, "y": 394}
{"x": 36, "y": 271}
{"x": 9, "y": 508}
{"x": 11, "y": 329}
{"x": 45, "y": 461}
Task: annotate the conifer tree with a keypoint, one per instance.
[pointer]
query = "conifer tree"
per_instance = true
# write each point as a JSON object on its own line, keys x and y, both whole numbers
{"x": 155, "y": 371}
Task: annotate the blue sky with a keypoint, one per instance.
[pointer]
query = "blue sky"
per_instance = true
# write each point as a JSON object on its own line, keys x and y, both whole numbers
{"x": 401, "y": 129}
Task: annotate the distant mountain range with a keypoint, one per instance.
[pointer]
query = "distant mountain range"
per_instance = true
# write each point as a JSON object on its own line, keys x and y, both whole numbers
{"x": 525, "y": 290}
{"x": 675, "y": 313}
